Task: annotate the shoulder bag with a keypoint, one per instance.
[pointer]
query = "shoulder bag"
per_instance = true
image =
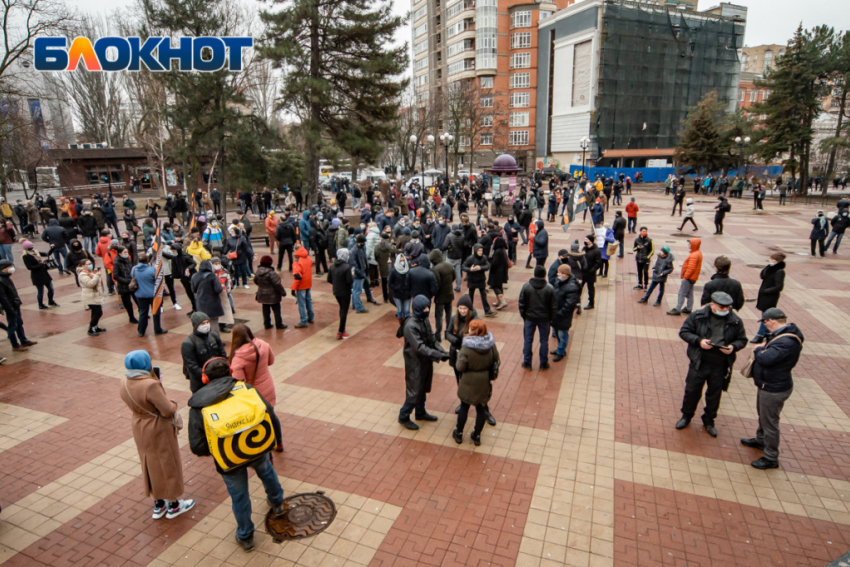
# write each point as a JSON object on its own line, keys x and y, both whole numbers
{"x": 747, "y": 370}
{"x": 177, "y": 422}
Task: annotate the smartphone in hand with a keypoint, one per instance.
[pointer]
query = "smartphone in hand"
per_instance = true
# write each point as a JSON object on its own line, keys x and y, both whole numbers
{"x": 158, "y": 371}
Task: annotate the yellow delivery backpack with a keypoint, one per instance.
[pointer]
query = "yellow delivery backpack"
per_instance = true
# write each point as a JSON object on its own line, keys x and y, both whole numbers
{"x": 238, "y": 428}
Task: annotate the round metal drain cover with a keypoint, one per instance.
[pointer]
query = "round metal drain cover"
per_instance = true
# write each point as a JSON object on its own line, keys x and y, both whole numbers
{"x": 304, "y": 515}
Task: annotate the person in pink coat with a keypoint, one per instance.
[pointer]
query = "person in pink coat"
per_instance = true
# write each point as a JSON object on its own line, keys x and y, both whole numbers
{"x": 250, "y": 359}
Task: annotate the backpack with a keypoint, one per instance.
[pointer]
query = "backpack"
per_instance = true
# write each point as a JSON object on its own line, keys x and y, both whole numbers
{"x": 238, "y": 428}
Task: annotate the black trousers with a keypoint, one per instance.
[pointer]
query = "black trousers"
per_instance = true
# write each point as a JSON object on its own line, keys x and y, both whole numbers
{"x": 217, "y": 207}
{"x": 675, "y": 204}
{"x": 96, "y": 312}
{"x": 442, "y": 311}
{"x": 643, "y": 273}
{"x": 187, "y": 287}
{"x": 482, "y": 291}
{"x": 718, "y": 226}
{"x": 821, "y": 246}
{"x": 781, "y": 199}
{"x": 127, "y": 300}
{"x": 280, "y": 250}
{"x": 590, "y": 282}
{"x": 480, "y": 417}
{"x": 145, "y": 304}
{"x": 321, "y": 258}
{"x": 169, "y": 284}
{"x": 268, "y": 309}
{"x": 713, "y": 377}
{"x": 603, "y": 269}
{"x": 344, "y": 305}
{"x": 688, "y": 219}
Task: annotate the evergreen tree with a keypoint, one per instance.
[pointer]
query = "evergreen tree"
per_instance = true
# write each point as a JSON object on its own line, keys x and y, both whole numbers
{"x": 703, "y": 143}
{"x": 341, "y": 79}
{"x": 795, "y": 84}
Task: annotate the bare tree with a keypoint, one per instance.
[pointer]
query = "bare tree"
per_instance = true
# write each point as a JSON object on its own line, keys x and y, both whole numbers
{"x": 96, "y": 97}
{"x": 23, "y": 21}
{"x": 471, "y": 114}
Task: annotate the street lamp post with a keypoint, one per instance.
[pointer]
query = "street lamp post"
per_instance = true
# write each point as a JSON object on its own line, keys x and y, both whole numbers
{"x": 741, "y": 141}
{"x": 446, "y": 141}
{"x": 584, "y": 143}
{"x": 429, "y": 139}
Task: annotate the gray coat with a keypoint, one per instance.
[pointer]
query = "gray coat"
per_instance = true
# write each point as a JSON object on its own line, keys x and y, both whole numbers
{"x": 475, "y": 360}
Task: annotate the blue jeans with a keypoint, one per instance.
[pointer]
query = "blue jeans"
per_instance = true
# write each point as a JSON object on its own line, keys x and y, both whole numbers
{"x": 837, "y": 237}
{"x": 15, "y": 328}
{"x": 90, "y": 243}
{"x": 402, "y": 307}
{"x": 6, "y": 253}
{"x": 652, "y": 285}
{"x": 631, "y": 224}
{"x": 305, "y": 305}
{"x": 528, "y": 328}
{"x": 40, "y": 292}
{"x": 356, "y": 290}
{"x": 762, "y": 329}
{"x": 241, "y": 270}
{"x": 237, "y": 487}
{"x": 59, "y": 254}
{"x": 563, "y": 340}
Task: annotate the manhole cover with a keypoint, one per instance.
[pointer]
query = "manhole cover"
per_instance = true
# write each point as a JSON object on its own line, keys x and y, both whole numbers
{"x": 304, "y": 515}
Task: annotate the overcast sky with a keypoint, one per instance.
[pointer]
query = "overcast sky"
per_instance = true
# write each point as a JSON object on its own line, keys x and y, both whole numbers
{"x": 768, "y": 21}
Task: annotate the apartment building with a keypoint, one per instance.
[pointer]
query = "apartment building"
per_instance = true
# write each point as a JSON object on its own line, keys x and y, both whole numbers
{"x": 486, "y": 50}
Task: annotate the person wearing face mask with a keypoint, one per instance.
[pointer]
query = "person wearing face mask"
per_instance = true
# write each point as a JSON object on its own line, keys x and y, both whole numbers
{"x": 421, "y": 351}
{"x": 820, "y": 228}
{"x": 122, "y": 267}
{"x": 213, "y": 237}
{"x": 643, "y": 249}
{"x": 772, "y": 284}
{"x": 319, "y": 242}
{"x": 199, "y": 347}
{"x": 839, "y": 222}
{"x": 93, "y": 293}
{"x": 39, "y": 275}
{"x": 568, "y": 297}
{"x": 714, "y": 334}
{"x": 10, "y": 302}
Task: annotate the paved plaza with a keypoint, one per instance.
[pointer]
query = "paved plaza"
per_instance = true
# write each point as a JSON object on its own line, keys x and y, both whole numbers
{"x": 584, "y": 468}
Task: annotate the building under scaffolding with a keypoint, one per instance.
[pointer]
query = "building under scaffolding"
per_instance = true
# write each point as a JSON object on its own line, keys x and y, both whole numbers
{"x": 624, "y": 73}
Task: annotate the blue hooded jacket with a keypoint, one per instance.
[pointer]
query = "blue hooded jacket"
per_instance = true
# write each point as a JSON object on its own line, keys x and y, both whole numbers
{"x": 145, "y": 276}
{"x": 304, "y": 228}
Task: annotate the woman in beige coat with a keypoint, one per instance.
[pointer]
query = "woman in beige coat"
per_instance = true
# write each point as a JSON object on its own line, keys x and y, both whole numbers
{"x": 93, "y": 292}
{"x": 155, "y": 424}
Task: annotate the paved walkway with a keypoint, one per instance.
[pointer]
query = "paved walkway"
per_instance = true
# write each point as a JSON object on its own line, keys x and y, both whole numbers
{"x": 583, "y": 469}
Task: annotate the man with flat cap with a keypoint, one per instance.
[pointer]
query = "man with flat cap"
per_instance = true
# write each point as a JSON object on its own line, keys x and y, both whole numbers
{"x": 772, "y": 365}
{"x": 714, "y": 334}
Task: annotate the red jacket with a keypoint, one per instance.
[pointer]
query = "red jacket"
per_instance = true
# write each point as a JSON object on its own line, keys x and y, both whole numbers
{"x": 302, "y": 270}
{"x": 632, "y": 210}
{"x": 102, "y": 247}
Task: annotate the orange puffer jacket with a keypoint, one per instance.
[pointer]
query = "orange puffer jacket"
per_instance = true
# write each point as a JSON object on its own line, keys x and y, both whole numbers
{"x": 693, "y": 263}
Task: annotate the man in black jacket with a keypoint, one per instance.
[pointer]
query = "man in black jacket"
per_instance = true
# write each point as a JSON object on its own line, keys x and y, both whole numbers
{"x": 476, "y": 267}
{"x": 10, "y": 302}
{"x": 453, "y": 246}
{"x": 772, "y": 365}
{"x": 422, "y": 279}
{"x": 722, "y": 282}
{"x": 199, "y": 347}
{"x": 421, "y": 351}
{"x": 58, "y": 238}
{"x": 568, "y": 293}
{"x": 341, "y": 277}
{"x": 594, "y": 260}
{"x": 285, "y": 234}
{"x": 538, "y": 304}
{"x": 714, "y": 334}
{"x": 236, "y": 480}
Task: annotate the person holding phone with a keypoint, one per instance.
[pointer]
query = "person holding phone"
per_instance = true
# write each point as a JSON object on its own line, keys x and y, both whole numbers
{"x": 93, "y": 293}
{"x": 155, "y": 423}
{"x": 714, "y": 334}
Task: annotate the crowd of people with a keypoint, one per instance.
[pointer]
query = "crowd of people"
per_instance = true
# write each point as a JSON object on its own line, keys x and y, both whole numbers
{"x": 418, "y": 248}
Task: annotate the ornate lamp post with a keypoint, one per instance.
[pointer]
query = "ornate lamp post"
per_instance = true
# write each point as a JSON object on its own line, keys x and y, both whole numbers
{"x": 446, "y": 140}
{"x": 584, "y": 143}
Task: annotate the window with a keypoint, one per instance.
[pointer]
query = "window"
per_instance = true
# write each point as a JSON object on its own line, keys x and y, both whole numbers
{"x": 753, "y": 95}
{"x": 520, "y": 80}
{"x": 519, "y": 119}
{"x": 420, "y": 63}
{"x": 518, "y": 138}
{"x": 423, "y": 11}
{"x": 487, "y": 121}
{"x": 459, "y": 7}
{"x": 486, "y": 82}
{"x": 423, "y": 96}
{"x": 743, "y": 94}
{"x": 761, "y": 95}
{"x": 420, "y": 29}
{"x": 768, "y": 60}
{"x": 96, "y": 174}
{"x": 486, "y": 101}
{"x": 520, "y": 100}
{"x": 520, "y": 40}
{"x": 462, "y": 65}
{"x": 544, "y": 14}
{"x": 460, "y": 46}
{"x": 463, "y": 142}
{"x": 458, "y": 27}
{"x": 421, "y": 46}
{"x": 486, "y": 139}
{"x": 521, "y": 19}
{"x": 421, "y": 80}
{"x": 521, "y": 60}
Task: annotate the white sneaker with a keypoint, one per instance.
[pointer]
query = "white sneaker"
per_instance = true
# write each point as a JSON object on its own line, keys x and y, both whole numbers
{"x": 185, "y": 506}
{"x": 246, "y": 286}
{"x": 159, "y": 511}
{"x": 177, "y": 307}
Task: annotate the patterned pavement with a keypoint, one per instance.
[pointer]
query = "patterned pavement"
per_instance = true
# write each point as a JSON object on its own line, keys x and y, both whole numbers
{"x": 584, "y": 468}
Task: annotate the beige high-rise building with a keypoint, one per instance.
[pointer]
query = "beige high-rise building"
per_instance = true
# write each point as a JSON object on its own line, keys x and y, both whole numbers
{"x": 759, "y": 59}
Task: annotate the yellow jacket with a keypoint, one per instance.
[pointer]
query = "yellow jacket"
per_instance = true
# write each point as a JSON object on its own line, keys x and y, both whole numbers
{"x": 197, "y": 250}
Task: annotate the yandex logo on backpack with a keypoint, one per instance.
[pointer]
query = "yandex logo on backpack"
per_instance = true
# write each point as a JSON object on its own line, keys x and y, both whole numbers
{"x": 206, "y": 54}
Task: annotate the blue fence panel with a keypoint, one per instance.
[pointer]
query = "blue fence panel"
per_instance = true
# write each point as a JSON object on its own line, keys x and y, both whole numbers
{"x": 659, "y": 174}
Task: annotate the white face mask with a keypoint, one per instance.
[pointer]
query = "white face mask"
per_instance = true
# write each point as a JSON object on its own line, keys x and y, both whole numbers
{"x": 11, "y": 270}
{"x": 722, "y": 313}
{"x": 205, "y": 328}
{"x": 216, "y": 267}
{"x": 771, "y": 263}
{"x": 89, "y": 267}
